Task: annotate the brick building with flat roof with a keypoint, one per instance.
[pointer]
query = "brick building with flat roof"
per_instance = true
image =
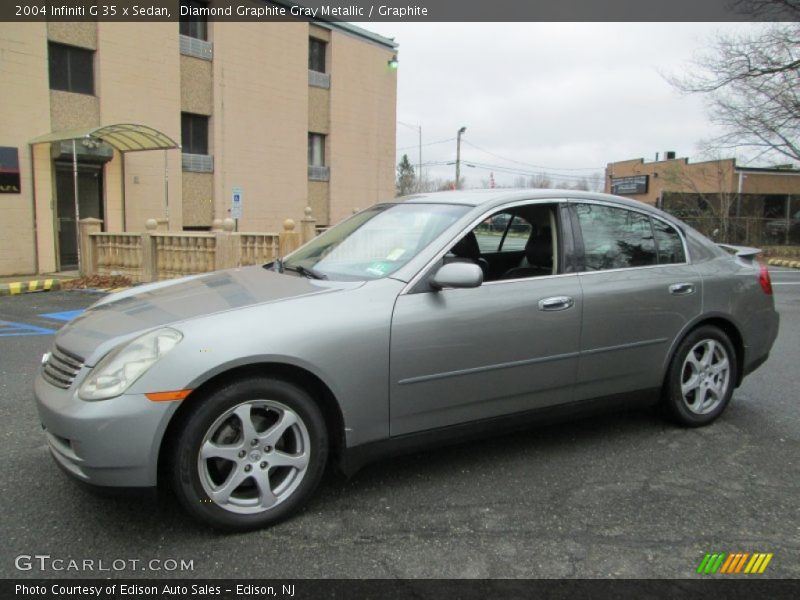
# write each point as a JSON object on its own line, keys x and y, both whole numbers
{"x": 672, "y": 183}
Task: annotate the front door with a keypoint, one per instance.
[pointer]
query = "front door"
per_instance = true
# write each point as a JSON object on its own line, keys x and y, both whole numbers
{"x": 90, "y": 197}
{"x": 460, "y": 355}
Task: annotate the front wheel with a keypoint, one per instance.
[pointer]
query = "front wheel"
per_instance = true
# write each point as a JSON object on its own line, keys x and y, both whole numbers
{"x": 249, "y": 454}
{"x": 701, "y": 377}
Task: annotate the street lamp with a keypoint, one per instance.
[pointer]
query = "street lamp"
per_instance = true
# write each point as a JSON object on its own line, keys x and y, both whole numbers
{"x": 458, "y": 156}
{"x": 419, "y": 163}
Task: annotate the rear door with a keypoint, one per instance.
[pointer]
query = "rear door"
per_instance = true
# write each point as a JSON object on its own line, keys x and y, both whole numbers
{"x": 639, "y": 292}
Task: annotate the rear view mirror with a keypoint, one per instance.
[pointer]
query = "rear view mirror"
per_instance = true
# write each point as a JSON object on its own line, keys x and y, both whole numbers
{"x": 457, "y": 275}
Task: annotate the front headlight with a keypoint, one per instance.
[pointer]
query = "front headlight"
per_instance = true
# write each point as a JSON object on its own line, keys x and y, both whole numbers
{"x": 124, "y": 365}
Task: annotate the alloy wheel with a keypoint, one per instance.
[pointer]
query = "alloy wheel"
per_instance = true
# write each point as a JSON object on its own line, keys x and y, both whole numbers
{"x": 705, "y": 376}
{"x": 254, "y": 456}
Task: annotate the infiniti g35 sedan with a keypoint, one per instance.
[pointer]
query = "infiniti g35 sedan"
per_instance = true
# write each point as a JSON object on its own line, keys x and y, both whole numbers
{"x": 413, "y": 322}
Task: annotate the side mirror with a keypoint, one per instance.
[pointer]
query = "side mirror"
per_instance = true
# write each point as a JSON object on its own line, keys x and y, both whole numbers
{"x": 457, "y": 275}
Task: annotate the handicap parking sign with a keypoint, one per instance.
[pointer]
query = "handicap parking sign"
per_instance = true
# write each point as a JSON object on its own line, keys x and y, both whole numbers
{"x": 236, "y": 203}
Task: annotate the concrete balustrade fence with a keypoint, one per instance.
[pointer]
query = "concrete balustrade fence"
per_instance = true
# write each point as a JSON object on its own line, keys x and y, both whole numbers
{"x": 157, "y": 254}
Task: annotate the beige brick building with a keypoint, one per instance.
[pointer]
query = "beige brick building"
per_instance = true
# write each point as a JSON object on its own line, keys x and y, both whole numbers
{"x": 291, "y": 114}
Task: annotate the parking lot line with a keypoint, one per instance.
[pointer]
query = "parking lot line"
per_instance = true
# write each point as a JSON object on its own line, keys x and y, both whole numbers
{"x": 11, "y": 329}
{"x": 66, "y": 315}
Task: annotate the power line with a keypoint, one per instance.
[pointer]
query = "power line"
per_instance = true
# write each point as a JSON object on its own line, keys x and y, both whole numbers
{"x": 530, "y": 164}
{"x": 427, "y": 144}
{"x": 511, "y": 171}
{"x": 508, "y": 170}
{"x": 516, "y": 171}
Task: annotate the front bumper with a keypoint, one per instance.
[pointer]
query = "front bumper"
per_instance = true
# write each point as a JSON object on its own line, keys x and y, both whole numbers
{"x": 111, "y": 442}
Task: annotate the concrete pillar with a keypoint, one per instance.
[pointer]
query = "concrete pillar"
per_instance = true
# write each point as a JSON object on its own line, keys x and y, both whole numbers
{"x": 226, "y": 254}
{"x": 149, "y": 265}
{"x": 86, "y": 227}
{"x": 289, "y": 239}
{"x": 308, "y": 224}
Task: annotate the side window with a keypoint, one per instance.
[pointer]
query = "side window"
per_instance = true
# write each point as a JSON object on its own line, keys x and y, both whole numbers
{"x": 615, "y": 238}
{"x": 512, "y": 244}
{"x": 503, "y": 232}
{"x": 668, "y": 242}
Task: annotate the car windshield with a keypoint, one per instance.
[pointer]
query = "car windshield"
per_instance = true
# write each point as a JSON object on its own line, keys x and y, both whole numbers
{"x": 375, "y": 242}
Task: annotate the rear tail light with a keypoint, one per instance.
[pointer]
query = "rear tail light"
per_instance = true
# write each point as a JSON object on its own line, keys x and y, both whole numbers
{"x": 764, "y": 280}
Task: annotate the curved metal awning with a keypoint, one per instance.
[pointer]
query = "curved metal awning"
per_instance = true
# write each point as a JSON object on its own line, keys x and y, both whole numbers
{"x": 125, "y": 137}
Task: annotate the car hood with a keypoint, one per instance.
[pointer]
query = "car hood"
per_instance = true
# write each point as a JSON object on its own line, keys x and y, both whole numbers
{"x": 129, "y": 313}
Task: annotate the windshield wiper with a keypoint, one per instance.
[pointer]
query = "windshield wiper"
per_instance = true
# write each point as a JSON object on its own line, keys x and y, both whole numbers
{"x": 307, "y": 271}
{"x": 276, "y": 265}
{"x": 279, "y": 267}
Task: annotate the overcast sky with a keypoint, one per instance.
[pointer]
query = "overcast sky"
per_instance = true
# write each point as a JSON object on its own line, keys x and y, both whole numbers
{"x": 561, "y": 96}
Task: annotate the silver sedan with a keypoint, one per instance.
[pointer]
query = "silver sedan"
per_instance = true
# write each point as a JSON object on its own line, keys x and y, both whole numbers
{"x": 414, "y": 322}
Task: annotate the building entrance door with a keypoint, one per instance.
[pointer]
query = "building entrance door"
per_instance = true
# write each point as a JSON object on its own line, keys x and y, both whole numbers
{"x": 90, "y": 198}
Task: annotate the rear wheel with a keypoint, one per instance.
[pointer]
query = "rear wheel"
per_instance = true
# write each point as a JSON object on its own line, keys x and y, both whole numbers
{"x": 250, "y": 454}
{"x": 701, "y": 377}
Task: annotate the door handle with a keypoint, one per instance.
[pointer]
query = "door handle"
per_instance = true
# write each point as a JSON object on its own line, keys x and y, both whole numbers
{"x": 556, "y": 303}
{"x": 680, "y": 289}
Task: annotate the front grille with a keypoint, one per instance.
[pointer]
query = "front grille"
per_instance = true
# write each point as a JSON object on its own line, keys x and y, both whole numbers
{"x": 61, "y": 368}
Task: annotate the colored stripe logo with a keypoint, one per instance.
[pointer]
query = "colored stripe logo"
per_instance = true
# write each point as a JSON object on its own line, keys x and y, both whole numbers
{"x": 734, "y": 563}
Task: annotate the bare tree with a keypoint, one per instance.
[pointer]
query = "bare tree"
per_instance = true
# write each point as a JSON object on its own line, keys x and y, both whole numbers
{"x": 706, "y": 190}
{"x": 520, "y": 182}
{"x": 540, "y": 181}
{"x": 752, "y": 85}
{"x": 581, "y": 185}
{"x": 768, "y": 10}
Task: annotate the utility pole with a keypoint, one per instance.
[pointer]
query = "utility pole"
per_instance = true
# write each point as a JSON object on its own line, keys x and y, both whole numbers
{"x": 458, "y": 157}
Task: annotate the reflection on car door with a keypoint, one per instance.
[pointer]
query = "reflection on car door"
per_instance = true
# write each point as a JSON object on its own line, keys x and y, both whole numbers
{"x": 459, "y": 355}
{"x": 638, "y": 294}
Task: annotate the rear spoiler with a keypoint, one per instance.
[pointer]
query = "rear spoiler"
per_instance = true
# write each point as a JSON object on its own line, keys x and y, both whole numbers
{"x": 744, "y": 252}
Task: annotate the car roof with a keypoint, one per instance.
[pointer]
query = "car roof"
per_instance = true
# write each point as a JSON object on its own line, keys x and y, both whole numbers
{"x": 496, "y": 197}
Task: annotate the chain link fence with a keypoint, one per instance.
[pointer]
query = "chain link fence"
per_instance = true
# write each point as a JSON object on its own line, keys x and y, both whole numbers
{"x": 748, "y": 231}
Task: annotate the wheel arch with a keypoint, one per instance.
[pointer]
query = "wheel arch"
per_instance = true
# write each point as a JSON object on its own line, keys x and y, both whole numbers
{"x": 722, "y": 322}
{"x": 321, "y": 393}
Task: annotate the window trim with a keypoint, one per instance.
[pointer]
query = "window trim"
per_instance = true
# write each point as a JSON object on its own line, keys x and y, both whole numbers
{"x": 579, "y": 241}
{"x": 69, "y": 48}
{"x": 409, "y": 288}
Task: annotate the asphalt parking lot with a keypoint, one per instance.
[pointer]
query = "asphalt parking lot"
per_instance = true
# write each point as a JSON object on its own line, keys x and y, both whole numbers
{"x": 624, "y": 495}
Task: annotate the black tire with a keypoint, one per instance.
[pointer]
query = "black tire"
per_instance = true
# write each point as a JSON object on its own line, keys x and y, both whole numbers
{"x": 189, "y": 473}
{"x": 689, "y": 409}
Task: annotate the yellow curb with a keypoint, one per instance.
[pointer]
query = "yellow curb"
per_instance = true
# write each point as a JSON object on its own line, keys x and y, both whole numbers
{"x": 23, "y": 287}
{"x": 781, "y": 262}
